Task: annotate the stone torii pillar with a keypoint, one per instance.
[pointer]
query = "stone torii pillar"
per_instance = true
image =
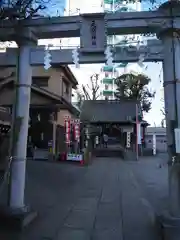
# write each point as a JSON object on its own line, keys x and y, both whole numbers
{"x": 170, "y": 36}
{"x": 25, "y": 39}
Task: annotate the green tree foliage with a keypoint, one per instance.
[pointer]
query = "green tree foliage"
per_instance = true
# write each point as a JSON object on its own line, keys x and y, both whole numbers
{"x": 135, "y": 87}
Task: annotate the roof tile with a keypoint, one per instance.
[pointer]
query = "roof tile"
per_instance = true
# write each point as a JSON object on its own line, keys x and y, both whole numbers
{"x": 108, "y": 111}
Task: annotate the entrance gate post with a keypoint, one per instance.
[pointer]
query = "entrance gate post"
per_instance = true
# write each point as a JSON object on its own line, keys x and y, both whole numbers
{"x": 170, "y": 36}
{"x": 23, "y": 95}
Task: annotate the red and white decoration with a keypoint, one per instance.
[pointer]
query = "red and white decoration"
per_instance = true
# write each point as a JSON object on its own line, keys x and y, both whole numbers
{"x": 67, "y": 125}
{"x": 77, "y": 130}
{"x": 75, "y": 124}
{"x": 72, "y": 124}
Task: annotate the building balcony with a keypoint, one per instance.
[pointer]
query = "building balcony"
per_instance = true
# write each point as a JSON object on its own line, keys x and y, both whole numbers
{"x": 113, "y": 1}
{"x": 107, "y": 80}
{"x": 109, "y": 69}
{"x": 122, "y": 65}
{"x": 107, "y": 93}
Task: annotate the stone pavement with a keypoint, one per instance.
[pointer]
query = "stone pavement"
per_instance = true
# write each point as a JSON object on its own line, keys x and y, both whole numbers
{"x": 98, "y": 202}
{"x": 151, "y": 174}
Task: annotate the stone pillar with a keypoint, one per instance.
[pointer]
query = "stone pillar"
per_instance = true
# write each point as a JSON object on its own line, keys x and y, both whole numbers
{"x": 154, "y": 141}
{"x": 54, "y": 134}
{"x": 23, "y": 95}
{"x": 171, "y": 69}
{"x": 171, "y": 72}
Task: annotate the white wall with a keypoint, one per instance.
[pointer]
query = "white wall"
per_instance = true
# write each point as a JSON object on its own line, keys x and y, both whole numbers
{"x": 161, "y": 142}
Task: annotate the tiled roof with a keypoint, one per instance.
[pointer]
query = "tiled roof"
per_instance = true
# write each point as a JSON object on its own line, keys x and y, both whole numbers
{"x": 59, "y": 100}
{"x": 108, "y": 111}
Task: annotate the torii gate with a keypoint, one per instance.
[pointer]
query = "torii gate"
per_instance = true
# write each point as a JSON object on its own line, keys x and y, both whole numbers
{"x": 93, "y": 30}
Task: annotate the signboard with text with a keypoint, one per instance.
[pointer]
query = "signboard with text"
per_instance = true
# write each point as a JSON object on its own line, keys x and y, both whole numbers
{"x": 74, "y": 157}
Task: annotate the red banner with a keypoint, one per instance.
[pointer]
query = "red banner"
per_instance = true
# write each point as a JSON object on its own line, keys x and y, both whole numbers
{"x": 67, "y": 125}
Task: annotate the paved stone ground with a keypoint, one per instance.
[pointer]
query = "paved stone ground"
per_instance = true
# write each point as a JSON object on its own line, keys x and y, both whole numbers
{"x": 151, "y": 175}
{"x": 99, "y": 202}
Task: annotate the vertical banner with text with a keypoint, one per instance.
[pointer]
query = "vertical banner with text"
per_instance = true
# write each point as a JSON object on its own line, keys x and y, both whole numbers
{"x": 77, "y": 130}
{"x": 67, "y": 125}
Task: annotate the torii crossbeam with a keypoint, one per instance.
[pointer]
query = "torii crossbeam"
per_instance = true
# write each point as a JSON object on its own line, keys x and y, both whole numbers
{"x": 153, "y": 51}
{"x": 116, "y": 24}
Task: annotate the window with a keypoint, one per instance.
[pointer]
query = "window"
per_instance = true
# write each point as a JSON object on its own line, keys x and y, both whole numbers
{"x": 106, "y": 74}
{"x": 40, "y": 81}
{"x": 66, "y": 89}
{"x": 106, "y": 87}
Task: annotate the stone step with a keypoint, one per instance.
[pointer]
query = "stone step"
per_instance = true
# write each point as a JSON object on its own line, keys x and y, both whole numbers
{"x": 41, "y": 154}
{"x": 108, "y": 153}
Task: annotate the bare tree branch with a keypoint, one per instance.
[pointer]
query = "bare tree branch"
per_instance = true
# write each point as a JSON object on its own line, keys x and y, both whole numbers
{"x": 163, "y": 111}
{"x": 91, "y": 90}
{"x": 87, "y": 96}
{"x": 98, "y": 96}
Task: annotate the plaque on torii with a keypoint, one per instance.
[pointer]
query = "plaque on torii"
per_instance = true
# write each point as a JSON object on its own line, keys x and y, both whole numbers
{"x": 93, "y": 36}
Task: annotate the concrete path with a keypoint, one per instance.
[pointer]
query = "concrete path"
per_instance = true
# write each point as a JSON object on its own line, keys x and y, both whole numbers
{"x": 99, "y": 202}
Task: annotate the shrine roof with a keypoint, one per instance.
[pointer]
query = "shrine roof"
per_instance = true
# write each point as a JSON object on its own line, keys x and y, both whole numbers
{"x": 112, "y": 111}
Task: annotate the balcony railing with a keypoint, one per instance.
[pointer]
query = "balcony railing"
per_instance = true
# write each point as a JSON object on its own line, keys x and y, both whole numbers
{"x": 107, "y": 93}
{"x": 107, "y": 80}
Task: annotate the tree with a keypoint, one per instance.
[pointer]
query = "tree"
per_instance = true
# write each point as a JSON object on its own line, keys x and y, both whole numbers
{"x": 91, "y": 90}
{"x": 80, "y": 99}
{"x": 21, "y": 9}
{"x": 163, "y": 112}
{"x": 134, "y": 86}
